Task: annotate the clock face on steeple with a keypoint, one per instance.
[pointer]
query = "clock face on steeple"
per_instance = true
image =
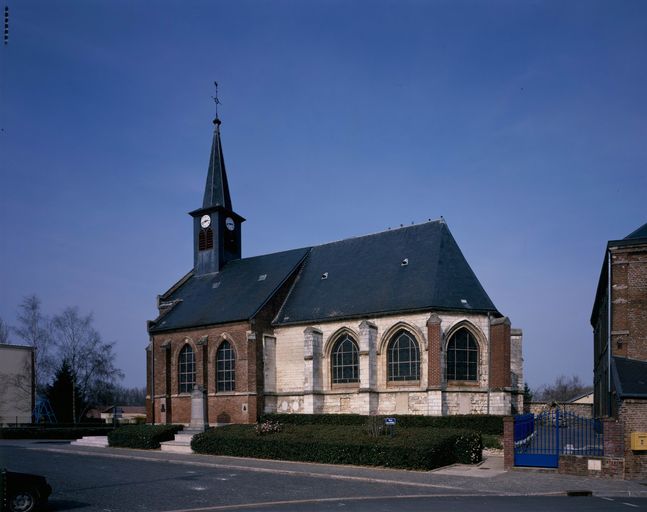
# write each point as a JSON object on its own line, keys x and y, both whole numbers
{"x": 230, "y": 224}
{"x": 205, "y": 221}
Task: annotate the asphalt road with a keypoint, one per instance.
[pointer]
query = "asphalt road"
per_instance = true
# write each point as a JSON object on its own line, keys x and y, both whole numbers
{"x": 89, "y": 483}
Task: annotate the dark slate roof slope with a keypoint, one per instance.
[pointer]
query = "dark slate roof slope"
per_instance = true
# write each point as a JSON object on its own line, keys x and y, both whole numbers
{"x": 366, "y": 276}
{"x": 235, "y": 293}
{"x": 641, "y": 232}
{"x": 629, "y": 377}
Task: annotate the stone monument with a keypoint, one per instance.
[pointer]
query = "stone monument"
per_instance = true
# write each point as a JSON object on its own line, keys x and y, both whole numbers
{"x": 198, "y": 410}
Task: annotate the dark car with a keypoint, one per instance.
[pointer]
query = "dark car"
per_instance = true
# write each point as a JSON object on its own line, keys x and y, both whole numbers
{"x": 23, "y": 492}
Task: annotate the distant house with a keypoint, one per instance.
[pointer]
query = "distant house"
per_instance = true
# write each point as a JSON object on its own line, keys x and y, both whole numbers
{"x": 124, "y": 414}
{"x": 584, "y": 398}
{"x": 390, "y": 323}
{"x": 580, "y": 405}
{"x": 619, "y": 321}
{"x": 17, "y": 393}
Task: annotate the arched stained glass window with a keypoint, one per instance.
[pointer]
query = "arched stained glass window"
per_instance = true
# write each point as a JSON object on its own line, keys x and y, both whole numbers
{"x": 186, "y": 369}
{"x": 403, "y": 358}
{"x": 462, "y": 356}
{"x": 344, "y": 361}
{"x": 225, "y": 367}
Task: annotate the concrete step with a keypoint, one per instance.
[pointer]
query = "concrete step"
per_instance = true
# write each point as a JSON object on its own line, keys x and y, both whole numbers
{"x": 176, "y": 447}
{"x": 97, "y": 441}
{"x": 181, "y": 442}
{"x": 183, "y": 437}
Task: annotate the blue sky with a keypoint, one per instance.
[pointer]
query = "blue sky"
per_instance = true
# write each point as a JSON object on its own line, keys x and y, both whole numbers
{"x": 523, "y": 123}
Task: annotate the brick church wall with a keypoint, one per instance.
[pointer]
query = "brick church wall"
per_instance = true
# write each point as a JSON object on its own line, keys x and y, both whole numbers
{"x": 239, "y": 406}
{"x": 243, "y": 405}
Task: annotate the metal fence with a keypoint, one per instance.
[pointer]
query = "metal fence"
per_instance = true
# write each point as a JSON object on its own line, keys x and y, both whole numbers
{"x": 540, "y": 439}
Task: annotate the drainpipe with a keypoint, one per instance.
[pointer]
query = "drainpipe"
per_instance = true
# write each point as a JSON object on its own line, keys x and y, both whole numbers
{"x": 608, "y": 332}
{"x": 152, "y": 383}
{"x": 489, "y": 359}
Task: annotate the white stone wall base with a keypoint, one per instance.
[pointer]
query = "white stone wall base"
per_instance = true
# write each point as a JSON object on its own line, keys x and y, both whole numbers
{"x": 429, "y": 403}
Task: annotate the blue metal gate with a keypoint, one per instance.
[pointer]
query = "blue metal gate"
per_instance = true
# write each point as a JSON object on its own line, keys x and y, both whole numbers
{"x": 540, "y": 440}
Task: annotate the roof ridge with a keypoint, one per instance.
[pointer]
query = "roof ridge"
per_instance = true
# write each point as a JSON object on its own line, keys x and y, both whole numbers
{"x": 440, "y": 221}
{"x": 297, "y": 268}
{"x": 303, "y": 264}
{"x": 306, "y": 248}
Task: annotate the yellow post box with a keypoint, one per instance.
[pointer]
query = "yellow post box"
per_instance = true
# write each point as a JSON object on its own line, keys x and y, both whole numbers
{"x": 639, "y": 441}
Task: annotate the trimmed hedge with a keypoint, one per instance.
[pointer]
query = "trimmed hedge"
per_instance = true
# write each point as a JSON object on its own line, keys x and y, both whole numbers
{"x": 411, "y": 448}
{"x": 146, "y": 437}
{"x": 485, "y": 424}
{"x": 39, "y": 432}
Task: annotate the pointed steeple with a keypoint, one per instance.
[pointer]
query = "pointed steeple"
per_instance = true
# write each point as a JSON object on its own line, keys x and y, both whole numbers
{"x": 216, "y": 190}
{"x": 216, "y": 227}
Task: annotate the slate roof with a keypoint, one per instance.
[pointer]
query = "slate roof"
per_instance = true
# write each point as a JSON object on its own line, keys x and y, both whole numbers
{"x": 629, "y": 377}
{"x": 365, "y": 276}
{"x": 641, "y": 232}
{"x": 216, "y": 190}
{"x": 235, "y": 293}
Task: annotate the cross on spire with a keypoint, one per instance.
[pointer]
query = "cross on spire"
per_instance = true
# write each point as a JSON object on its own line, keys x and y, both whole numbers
{"x": 217, "y": 102}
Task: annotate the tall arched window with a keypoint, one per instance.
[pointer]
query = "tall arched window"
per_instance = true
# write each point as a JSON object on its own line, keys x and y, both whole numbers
{"x": 225, "y": 367}
{"x": 344, "y": 361}
{"x": 462, "y": 356}
{"x": 186, "y": 369}
{"x": 403, "y": 357}
{"x": 205, "y": 239}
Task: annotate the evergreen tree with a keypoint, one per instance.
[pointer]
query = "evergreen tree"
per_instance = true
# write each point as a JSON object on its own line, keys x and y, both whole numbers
{"x": 527, "y": 397}
{"x": 60, "y": 394}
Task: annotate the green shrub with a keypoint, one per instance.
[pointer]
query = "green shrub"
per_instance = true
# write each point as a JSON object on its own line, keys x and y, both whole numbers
{"x": 374, "y": 426}
{"x": 492, "y": 442}
{"x": 267, "y": 427}
{"x": 485, "y": 424}
{"x": 52, "y": 432}
{"x": 412, "y": 448}
{"x": 468, "y": 447}
{"x": 147, "y": 437}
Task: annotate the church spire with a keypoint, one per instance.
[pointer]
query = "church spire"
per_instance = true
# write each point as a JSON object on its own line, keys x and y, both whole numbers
{"x": 216, "y": 227}
{"x": 216, "y": 190}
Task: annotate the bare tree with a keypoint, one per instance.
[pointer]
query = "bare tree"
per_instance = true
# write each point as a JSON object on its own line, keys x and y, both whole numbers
{"x": 563, "y": 389}
{"x": 33, "y": 328}
{"x": 126, "y": 396}
{"x": 91, "y": 360}
{"x": 4, "y": 332}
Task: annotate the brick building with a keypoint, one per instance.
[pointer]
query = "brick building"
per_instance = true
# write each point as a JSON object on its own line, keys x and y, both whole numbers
{"x": 390, "y": 323}
{"x": 619, "y": 323}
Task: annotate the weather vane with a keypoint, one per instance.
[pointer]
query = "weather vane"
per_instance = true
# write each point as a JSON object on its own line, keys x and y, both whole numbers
{"x": 215, "y": 98}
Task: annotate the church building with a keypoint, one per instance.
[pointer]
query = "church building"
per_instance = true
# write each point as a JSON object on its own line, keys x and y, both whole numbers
{"x": 390, "y": 323}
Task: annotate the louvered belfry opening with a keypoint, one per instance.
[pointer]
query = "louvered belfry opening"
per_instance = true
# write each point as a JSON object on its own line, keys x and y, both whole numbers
{"x": 205, "y": 239}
